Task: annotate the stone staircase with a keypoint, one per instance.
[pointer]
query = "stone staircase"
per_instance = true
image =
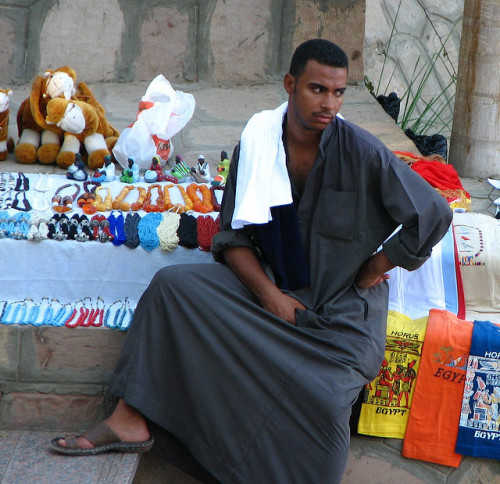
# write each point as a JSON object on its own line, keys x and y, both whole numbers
{"x": 52, "y": 383}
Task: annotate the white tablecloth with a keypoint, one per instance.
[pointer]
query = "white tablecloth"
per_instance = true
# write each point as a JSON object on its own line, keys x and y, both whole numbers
{"x": 70, "y": 270}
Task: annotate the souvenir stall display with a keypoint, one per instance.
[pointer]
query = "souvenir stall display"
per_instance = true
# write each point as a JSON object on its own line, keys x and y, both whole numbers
{"x": 68, "y": 244}
{"x": 439, "y": 386}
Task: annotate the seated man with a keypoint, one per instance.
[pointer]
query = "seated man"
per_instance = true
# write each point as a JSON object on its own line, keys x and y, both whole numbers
{"x": 255, "y": 377}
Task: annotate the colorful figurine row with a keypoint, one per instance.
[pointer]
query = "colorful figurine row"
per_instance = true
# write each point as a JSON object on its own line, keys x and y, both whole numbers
{"x": 179, "y": 173}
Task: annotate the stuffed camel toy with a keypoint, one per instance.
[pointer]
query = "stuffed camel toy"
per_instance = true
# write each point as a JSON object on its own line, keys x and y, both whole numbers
{"x": 6, "y": 143}
{"x": 40, "y": 140}
{"x": 82, "y": 124}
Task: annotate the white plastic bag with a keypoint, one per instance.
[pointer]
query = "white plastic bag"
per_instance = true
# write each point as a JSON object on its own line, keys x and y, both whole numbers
{"x": 163, "y": 112}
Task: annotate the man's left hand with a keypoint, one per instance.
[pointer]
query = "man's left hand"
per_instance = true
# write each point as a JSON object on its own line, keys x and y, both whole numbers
{"x": 373, "y": 271}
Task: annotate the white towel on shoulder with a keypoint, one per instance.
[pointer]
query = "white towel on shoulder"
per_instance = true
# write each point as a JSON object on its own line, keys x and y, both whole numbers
{"x": 262, "y": 180}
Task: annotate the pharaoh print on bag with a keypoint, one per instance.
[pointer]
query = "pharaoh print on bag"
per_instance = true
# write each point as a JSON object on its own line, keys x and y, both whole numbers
{"x": 387, "y": 399}
{"x": 479, "y": 430}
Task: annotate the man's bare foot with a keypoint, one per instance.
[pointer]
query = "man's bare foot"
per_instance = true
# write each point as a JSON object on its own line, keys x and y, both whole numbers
{"x": 127, "y": 423}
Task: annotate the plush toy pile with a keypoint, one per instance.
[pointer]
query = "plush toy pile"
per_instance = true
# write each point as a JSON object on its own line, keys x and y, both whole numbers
{"x": 6, "y": 143}
{"x": 61, "y": 118}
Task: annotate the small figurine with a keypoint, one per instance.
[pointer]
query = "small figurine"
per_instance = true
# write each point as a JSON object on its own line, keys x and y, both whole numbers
{"x": 155, "y": 172}
{"x": 222, "y": 170}
{"x": 76, "y": 171}
{"x": 107, "y": 172}
{"x": 180, "y": 170}
{"x": 201, "y": 171}
{"x": 130, "y": 174}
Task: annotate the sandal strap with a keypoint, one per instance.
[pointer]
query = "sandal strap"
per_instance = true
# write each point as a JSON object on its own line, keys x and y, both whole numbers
{"x": 100, "y": 434}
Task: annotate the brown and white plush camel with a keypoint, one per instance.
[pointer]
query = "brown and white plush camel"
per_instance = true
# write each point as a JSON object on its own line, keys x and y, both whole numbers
{"x": 6, "y": 143}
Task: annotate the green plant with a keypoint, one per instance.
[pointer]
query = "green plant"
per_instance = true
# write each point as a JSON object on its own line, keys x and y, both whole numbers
{"x": 420, "y": 111}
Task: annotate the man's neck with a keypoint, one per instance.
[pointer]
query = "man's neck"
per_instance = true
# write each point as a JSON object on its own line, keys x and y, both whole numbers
{"x": 302, "y": 148}
{"x": 300, "y": 136}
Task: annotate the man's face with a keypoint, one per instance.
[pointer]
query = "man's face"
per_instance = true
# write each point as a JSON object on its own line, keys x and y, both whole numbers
{"x": 317, "y": 95}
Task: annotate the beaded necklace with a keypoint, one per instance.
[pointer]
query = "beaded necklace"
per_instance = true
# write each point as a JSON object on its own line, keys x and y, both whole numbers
{"x": 84, "y": 232}
{"x": 101, "y": 206}
{"x": 5, "y": 313}
{"x": 117, "y": 228}
{"x": 61, "y": 316}
{"x": 62, "y": 231}
{"x": 78, "y": 308}
{"x": 39, "y": 202}
{"x": 3, "y": 182}
{"x": 5, "y": 317}
{"x": 204, "y": 206}
{"x": 18, "y": 226}
{"x": 32, "y": 315}
{"x": 53, "y": 221}
{"x": 119, "y": 202}
{"x": 38, "y": 226}
{"x": 74, "y": 221}
{"x": 5, "y": 303}
{"x": 187, "y": 231}
{"x": 131, "y": 230}
{"x": 188, "y": 203}
{"x": 49, "y": 311}
{"x": 167, "y": 231}
{"x": 7, "y": 188}
{"x": 123, "y": 316}
{"x": 148, "y": 236}
{"x": 215, "y": 202}
{"x": 26, "y": 205}
{"x": 64, "y": 204}
{"x": 4, "y": 219}
{"x": 23, "y": 183}
{"x": 159, "y": 206}
{"x": 87, "y": 199}
{"x": 207, "y": 227}
{"x": 107, "y": 314}
{"x": 100, "y": 228}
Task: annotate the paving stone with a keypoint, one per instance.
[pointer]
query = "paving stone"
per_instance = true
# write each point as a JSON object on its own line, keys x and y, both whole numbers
{"x": 25, "y": 458}
{"x": 474, "y": 470}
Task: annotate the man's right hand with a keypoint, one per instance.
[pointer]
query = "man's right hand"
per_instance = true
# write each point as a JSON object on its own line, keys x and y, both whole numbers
{"x": 282, "y": 305}
{"x": 244, "y": 263}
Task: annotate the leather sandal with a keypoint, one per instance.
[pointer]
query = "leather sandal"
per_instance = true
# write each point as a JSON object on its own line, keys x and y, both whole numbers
{"x": 102, "y": 437}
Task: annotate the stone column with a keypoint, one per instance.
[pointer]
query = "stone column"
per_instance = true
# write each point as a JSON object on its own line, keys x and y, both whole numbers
{"x": 475, "y": 137}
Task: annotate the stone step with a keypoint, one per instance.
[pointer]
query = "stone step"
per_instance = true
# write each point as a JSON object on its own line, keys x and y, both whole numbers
{"x": 54, "y": 378}
{"x": 25, "y": 458}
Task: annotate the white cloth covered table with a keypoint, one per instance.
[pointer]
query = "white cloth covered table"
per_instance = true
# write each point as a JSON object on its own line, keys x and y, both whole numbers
{"x": 70, "y": 270}
{"x": 89, "y": 274}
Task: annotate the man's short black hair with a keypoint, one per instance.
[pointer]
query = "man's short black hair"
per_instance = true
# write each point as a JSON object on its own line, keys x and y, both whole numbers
{"x": 320, "y": 50}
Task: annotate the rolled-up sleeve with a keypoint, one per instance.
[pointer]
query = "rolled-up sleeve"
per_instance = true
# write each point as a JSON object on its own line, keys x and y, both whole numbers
{"x": 228, "y": 237}
{"x": 423, "y": 213}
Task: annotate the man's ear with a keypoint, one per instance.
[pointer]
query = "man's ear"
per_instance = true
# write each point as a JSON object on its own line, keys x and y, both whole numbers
{"x": 289, "y": 83}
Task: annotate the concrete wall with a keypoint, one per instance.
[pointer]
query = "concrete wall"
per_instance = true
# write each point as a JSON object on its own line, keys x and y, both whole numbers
{"x": 414, "y": 37}
{"x": 185, "y": 40}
